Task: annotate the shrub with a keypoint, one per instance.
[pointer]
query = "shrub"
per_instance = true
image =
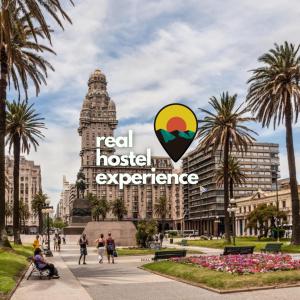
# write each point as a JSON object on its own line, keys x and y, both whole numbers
{"x": 145, "y": 232}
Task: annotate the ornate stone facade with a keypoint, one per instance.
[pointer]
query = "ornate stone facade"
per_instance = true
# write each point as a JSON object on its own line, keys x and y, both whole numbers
{"x": 67, "y": 197}
{"x": 30, "y": 184}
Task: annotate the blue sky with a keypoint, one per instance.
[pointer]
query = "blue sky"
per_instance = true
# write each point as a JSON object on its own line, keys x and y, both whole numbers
{"x": 154, "y": 53}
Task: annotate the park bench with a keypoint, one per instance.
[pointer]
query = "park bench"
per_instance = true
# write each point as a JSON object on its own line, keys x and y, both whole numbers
{"x": 272, "y": 247}
{"x": 169, "y": 254}
{"x": 183, "y": 243}
{"x": 238, "y": 250}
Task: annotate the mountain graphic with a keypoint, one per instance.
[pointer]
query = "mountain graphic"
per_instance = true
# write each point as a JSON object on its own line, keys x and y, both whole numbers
{"x": 170, "y": 136}
{"x": 175, "y": 142}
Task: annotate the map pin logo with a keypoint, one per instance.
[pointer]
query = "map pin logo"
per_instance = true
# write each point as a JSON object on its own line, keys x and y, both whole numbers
{"x": 175, "y": 126}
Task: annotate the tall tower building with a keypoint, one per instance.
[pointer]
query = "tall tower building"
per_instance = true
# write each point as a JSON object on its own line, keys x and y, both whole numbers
{"x": 204, "y": 202}
{"x": 98, "y": 119}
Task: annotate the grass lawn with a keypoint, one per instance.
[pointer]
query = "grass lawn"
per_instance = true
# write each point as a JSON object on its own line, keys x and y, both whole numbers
{"x": 12, "y": 263}
{"x": 141, "y": 251}
{"x": 220, "y": 280}
{"x": 244, "y": 241}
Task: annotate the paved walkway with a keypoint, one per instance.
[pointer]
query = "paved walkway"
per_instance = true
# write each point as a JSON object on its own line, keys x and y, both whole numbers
{"x": 67, "y": 287}
{"x": 123, "y": 281}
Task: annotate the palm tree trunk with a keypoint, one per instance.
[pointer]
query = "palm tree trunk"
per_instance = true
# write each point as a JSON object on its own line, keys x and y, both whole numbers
{"x": 230, "y": 188}
{"x": 16, "y": 174}
{"x": 226, "y": 190}
{"x": 3, "y": 85}
{"x": 40, "y": 216}
{"x": 293, "y": 174}
{"x": 163, "y": 226}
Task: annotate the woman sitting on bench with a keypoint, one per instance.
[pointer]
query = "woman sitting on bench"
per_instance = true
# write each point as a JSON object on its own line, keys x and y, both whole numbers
{"x": 42, "y": 264}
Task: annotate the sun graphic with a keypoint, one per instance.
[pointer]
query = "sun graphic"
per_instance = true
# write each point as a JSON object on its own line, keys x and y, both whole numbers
{"x": 176, "y": 117}
{"x": 176, "y": 123}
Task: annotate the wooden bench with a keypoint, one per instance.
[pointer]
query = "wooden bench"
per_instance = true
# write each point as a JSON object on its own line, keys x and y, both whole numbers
{"x": 238, "y": 250}
{"x": 272, "y": 247}
{"x": 169, "y": 254}
{"x": 183, "y": 243}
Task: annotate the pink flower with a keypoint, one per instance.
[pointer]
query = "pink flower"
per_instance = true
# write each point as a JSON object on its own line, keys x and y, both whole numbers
{"x": 243, "y": 264}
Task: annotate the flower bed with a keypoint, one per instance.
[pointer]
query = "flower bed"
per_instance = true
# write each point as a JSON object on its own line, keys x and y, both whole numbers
{"x": 244, "y": 264}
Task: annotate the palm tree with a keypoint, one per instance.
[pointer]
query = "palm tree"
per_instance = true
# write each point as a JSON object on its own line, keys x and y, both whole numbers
{"x": 23, "y": 130}
{"x": 223, "y": 129}
{"x": 18, "y": 20}
{"x": 37, "y": 204}
{"x": 235, "y": 174}
{"x": 104, "y": 208}
{"x": 24, "y": 214}
{"x": 118, "y": 209}
{"x": 161, "y": 210}
{"x": 274, "y": 97}
{"x": 99, "y": 207}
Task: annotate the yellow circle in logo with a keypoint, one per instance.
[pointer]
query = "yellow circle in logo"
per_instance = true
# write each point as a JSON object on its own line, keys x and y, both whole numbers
{"x": 176, "y": 113}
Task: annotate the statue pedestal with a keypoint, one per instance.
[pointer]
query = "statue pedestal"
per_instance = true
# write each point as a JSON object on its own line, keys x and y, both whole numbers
{"x": 80, "y": 216}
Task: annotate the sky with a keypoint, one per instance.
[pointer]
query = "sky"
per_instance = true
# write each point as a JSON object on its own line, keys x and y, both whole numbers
{"x": 154, "y": 53}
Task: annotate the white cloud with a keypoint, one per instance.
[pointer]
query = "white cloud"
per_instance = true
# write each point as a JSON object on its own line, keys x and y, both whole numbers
{"x": 58, "y": 155}
{"x": 284, "y": 169}
{"x": 153, "y": 53}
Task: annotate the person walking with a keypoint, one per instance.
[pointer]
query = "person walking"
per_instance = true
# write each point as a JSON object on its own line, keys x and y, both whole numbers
{"x": 64, "y": 239}
{"x": 58, "y": 242}
{"x": 55, "y": 242}
{"x": 43, "y": 242}
{"x": 83, "y": 243}
{"x": 101, "y": 247}
{"x": 36, "y": 242}
{"x": 110, "y": 248}
{"x": 161, "y": 238}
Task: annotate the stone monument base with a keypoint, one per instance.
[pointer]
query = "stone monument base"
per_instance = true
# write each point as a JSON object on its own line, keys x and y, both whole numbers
{"x": 123, "y": 232}
{"x": 74, "y": 229}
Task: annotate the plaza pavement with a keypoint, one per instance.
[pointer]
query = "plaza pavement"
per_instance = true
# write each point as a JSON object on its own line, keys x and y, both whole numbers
{"x": 124, "y": 281}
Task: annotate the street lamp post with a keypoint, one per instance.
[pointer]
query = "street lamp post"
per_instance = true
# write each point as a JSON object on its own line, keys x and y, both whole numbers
{"x": 277, "y": 207}
{"x": 217, "y": 221}
{"x": 47, "y": 209}
{"x": 232, "y": 209}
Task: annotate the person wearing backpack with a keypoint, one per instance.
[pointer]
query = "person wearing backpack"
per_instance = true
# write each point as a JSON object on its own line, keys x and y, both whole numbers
{"x": 101, "y": 247}
{"x": 110, "y": 248}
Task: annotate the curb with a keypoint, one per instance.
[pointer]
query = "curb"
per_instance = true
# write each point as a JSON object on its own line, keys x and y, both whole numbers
{"x": 10, "y": 294}
{"x": 199, "y": 285}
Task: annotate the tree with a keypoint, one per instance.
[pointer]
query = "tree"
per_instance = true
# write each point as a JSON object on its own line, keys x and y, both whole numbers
{"x": 16, "y": 17}
{"x": 95, "y": 208}
{"x": 23, "y": 130}
{"x": 104, "y": 206}
{"x": 262, "y": 216}
{"x": 235, "y": 174}
{"x": 37, "y": 204}
{"x": 145, "y": 231}
{"x": 59, "y": 223}
{"x": 274, "y": 97}
{"x": 161, "y": 210}
{"x": 24, "y": 214}
{"x": 118, "y": 209}
{"x": 223, "y": 129}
